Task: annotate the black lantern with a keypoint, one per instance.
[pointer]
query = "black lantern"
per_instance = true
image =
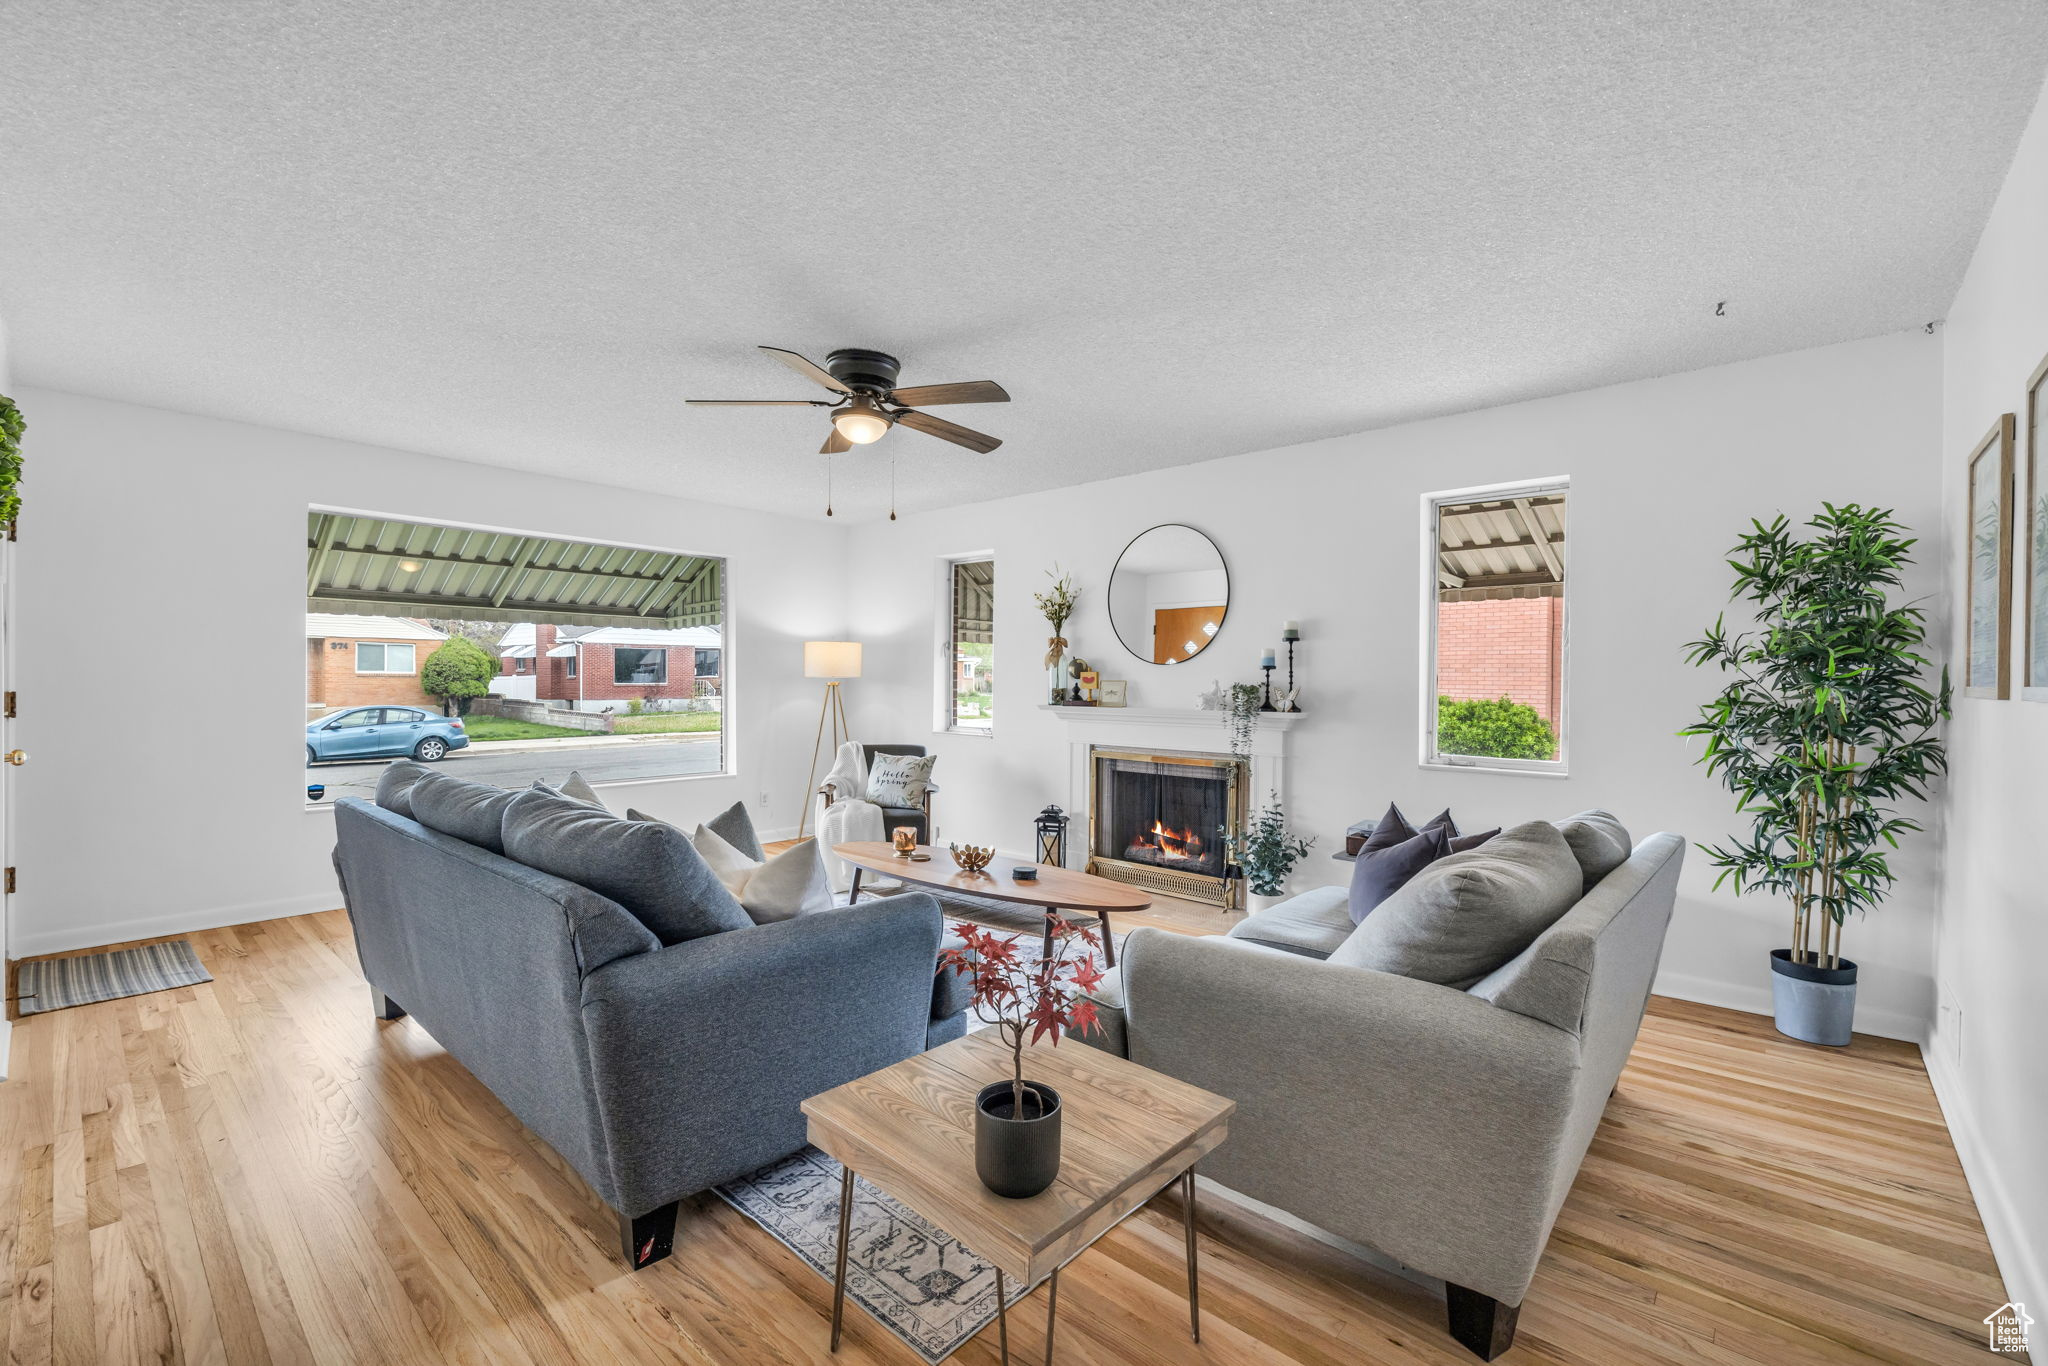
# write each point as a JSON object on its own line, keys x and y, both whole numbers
{"x": 1051, "y": 826}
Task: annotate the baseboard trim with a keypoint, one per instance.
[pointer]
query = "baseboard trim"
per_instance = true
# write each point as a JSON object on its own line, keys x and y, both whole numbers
{"x": 31, "y": 943}
{"x": 1756, "y": 1000}
{"x": 2019, "y": 1261}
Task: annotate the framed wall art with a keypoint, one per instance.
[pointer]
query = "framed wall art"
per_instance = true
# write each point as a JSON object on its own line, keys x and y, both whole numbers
{"x": 1987, "y": 609}
{"x": 2033, "y": 532}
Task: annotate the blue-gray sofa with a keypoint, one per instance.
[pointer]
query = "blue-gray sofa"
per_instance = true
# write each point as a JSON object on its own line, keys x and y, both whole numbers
{"x": 655, "y": 1071}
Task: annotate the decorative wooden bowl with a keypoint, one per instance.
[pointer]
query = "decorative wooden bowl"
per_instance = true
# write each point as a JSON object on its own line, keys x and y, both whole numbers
{"x": 970, "y": 858}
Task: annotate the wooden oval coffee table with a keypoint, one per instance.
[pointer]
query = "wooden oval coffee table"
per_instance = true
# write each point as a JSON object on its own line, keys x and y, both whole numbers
{"x": 1055, "y": 889}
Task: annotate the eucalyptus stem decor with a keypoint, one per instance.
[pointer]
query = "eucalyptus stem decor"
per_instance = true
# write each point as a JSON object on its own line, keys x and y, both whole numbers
{"x": 1265, "y": 853}
{"x": 11, "y": 428}
{"x": 1242, "y": 712}
{"x": 1827, "y": 720}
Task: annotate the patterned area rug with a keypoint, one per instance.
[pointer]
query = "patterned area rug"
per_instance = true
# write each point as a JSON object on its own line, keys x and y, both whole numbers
{"x": 55, "y": 983}
{"x": 911, "y": 1276}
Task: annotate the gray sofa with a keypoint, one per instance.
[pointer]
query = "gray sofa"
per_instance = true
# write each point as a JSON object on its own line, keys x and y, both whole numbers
{"x": 1443, "y": 1127}
{"x": 656, "y": 1072}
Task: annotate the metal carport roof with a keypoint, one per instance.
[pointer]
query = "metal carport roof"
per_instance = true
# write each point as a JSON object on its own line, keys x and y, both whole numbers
{"x": 378, "y": 565}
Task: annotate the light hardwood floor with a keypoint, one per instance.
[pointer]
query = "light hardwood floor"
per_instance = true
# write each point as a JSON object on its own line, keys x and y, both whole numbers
{"x": 256, "y": 1170}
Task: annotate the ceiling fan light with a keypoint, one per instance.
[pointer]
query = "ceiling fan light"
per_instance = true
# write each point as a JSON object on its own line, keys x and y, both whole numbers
{"x": 861, "y": 422}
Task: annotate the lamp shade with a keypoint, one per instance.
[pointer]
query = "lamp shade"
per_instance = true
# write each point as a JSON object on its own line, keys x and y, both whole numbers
{"x": 831, "y": 659}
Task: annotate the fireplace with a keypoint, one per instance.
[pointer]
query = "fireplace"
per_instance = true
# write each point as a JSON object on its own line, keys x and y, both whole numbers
{"x": 1156, "y": 820}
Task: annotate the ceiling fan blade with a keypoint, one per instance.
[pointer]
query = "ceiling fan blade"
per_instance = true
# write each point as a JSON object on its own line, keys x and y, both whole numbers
{"x": 930, "y": 395}
{"x": 948, "y": 431}
{"x": 760, "y": 402}
{"x": 811, "y": 371}
{"x": 834, "y": 444}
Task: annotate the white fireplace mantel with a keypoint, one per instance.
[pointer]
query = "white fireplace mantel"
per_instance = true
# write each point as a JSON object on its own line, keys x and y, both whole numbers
{"x": 1169, "y": 716}
{"x": 1186, "y": 730}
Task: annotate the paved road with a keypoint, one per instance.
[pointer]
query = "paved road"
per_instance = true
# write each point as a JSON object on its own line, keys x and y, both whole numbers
{"x": 598, "y": 763}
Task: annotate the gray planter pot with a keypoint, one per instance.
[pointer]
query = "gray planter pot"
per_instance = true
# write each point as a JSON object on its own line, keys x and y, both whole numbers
{"x": 1813, "y": 1004}
{"x": 1017, "y": 1156}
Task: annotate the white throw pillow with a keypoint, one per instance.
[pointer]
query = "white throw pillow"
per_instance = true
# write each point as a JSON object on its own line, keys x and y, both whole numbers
{"x": 900, "y": 779}
{"x": 789, "y": 884}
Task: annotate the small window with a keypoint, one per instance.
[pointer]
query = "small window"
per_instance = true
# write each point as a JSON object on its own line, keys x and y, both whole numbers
{"x": 969, "y": 647}
{"x": 634, "y": 665}
{"x": 375, "y": 658}
{"x": 1494, "y": 628}
{"x": 708, "y": 663}
{"x": 367, "y": 716}
{"x": 572, "y": 662}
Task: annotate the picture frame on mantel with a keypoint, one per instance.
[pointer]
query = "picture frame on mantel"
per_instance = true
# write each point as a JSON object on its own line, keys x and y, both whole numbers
{"x": 1987, "y": 593}
{"x": 2034, "y": 543}
{"x": 1116, "y": 692}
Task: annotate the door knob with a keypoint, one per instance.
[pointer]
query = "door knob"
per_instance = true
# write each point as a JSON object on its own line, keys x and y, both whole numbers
{"x": 17, "y": 757}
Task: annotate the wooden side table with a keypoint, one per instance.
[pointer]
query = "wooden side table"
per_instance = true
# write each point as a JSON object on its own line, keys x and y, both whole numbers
{"x": 1127, "y": 1134}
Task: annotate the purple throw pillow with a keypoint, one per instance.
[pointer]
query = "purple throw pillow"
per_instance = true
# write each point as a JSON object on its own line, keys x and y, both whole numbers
{"x": 1393, "y": 828}
{"x": 1379, "y": 873}
{"x": 1463, "y": 842}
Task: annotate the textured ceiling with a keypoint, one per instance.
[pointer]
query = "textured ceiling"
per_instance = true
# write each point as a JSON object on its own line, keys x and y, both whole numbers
{"x": 521, "y": 233}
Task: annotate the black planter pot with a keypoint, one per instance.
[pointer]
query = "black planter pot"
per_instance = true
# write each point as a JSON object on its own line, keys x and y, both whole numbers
{"x": 1017, "y": 1157}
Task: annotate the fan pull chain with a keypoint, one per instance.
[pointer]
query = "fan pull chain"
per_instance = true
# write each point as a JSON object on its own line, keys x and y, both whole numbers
{"x": 828, "y": 486}
{"x": 892, "y": 488}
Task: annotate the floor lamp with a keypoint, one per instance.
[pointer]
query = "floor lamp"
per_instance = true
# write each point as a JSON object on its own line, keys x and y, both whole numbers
{"x": 831, "y": 660}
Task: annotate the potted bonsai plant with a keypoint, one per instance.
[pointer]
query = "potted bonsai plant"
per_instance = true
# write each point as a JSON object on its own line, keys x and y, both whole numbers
{"x": 1265, "y": 853}
{"x": 1017, "y": 1122}
{"x": 1827, "y": 721}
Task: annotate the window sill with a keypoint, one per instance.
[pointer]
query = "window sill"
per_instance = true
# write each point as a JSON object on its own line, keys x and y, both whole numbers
{"x": 327, "y": 803}
{"x": 978, "y": 734}
{"x": 1438, "y": 766}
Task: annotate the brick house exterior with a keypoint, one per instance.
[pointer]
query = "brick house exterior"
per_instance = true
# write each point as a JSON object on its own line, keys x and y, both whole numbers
{"x": 579, "y": 667}
{"x": 336, "y": 672}
{"x": 1503, "y": 647}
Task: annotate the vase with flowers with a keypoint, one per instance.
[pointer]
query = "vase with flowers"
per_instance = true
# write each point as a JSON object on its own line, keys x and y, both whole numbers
{"x": 1056, "y": 604}
{"x": 1017, "y": 1122}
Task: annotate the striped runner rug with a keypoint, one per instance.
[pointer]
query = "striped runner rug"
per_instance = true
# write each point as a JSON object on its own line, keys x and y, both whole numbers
{"x": 54, "y": 983}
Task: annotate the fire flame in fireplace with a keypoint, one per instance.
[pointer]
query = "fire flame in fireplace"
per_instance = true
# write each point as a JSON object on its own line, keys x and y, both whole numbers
{"x": 1173, "y": 846}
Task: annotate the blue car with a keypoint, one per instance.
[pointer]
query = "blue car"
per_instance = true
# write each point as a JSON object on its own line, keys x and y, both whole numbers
{"x": 383, "y": 733}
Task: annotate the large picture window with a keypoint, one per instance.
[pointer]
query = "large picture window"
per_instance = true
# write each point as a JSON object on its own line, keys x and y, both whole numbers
{"x": 633, "y": 666}
{"x": 377, "y": 657}
{"x": 968, "y": 650}
{"x": 444, "y": 643}
{"x": 1494, "y": 686}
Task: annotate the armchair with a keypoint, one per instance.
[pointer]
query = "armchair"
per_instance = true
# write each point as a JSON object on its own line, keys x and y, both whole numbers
{"x": 919, "y": 817}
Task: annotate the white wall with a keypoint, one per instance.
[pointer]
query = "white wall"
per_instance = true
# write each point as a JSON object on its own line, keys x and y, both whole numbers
{"x": 1665, "y": 474}
{"x": 172, "y": 798}
{"x": 1987, "y": 1055}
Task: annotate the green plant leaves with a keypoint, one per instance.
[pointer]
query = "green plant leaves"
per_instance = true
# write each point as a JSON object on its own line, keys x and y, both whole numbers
{"x": 1828, "y": 719}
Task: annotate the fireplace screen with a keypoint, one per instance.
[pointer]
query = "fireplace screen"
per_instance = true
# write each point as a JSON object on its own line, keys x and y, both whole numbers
{"x": 1165, "y": 812}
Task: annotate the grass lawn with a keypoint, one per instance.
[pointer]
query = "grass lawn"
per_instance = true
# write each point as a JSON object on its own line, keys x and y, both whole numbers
{"x": 483, "y": 729}
{"x": 666, "y": 723}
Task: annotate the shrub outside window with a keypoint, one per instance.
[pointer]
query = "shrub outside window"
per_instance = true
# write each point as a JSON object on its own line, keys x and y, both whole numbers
{"x": 1494, "y": 627}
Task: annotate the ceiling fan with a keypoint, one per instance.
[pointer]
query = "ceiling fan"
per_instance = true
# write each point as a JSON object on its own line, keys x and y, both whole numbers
{"x": 869, "y": 403}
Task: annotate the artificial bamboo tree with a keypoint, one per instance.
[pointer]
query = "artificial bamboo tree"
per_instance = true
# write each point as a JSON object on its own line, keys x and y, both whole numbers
{"x": 1828, "y": 720}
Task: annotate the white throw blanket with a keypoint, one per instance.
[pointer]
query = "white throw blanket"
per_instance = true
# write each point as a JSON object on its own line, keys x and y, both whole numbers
{"x": 851, "y": 816}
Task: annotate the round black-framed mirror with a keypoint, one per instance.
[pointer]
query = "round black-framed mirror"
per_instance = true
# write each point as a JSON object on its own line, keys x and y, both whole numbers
{"x": 1169, "y": 593}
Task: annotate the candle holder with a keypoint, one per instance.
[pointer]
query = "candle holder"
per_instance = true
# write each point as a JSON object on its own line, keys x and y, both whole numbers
{"x": 1267, "y": 705}
{"x": 1290, "y": 636}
